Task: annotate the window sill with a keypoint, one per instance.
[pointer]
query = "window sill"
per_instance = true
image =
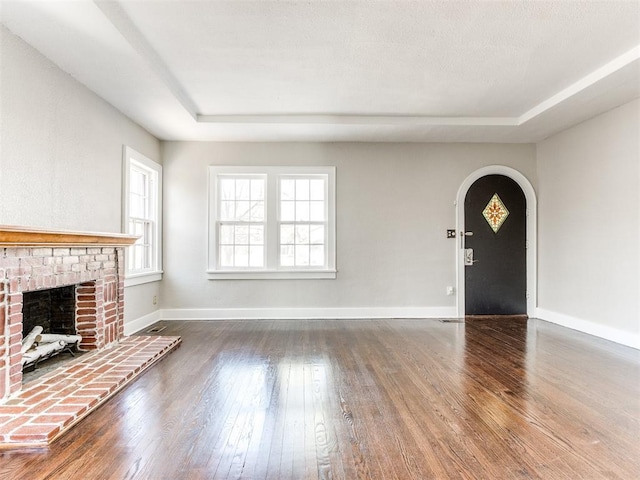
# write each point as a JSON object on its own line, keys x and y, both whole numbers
{"x": 272, "y": 275}
{"x": 141, "y": 278}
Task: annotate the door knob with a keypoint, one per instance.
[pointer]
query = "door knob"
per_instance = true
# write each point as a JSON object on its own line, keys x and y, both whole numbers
{"x": 468, "y": 257}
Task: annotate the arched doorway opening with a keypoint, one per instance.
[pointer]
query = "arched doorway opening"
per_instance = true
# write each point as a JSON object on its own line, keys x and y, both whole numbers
{"x": 462, "y": 254}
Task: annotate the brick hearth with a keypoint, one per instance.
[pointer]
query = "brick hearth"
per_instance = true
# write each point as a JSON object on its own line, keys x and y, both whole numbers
{"x": 35, "y": 414}
{"x": 49, "y": 406}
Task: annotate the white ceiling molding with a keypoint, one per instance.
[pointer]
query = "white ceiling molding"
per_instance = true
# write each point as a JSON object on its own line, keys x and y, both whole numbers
{"x": 615, "y": 65}
{"x": 341, "y": 119}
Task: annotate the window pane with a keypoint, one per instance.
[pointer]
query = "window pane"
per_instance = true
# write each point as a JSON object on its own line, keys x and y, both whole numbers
{"x": 316, "y": 211}
{"x": 227, "y": 189}
{"x": 302, "y": 211}
{"x": 287, "y": 210}
{"x": 316, "y": 256}
{"x": 243, "y": 189}
{"x": 302, "y": 234}
{"x": 316, "y": 189}
{"x": 137, "y": 206}
{"x": 302, "y": 189}
{"x": 256, "y": 256}
{"x": 257, "y": 189}
{"x": 226, "y": 256}
{"x": 256, "y": 235}
{"x": 138, "y": 257}
{"x": 287, "y": 234}
{"x": 257, "y": 212}
{"x": 137, "y": 182}
{"x": 243, "y": 211}
{"x": 287, "y": 189}
{"x": 286, "y": 256}
{"x": 302, "y": 255}
{"x": 227, "y": 210}
{"x": 241, "y": 255}
{"x": 138, "y": 230}
{"x": 316, "y": 234}
{"x": 242, "y": 235}
{"x": 226, "y": 234}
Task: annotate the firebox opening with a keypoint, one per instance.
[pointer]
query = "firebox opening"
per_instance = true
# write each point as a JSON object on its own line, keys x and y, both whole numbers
{"x": 52, "y": 309}
{"x": 54, "y": 312}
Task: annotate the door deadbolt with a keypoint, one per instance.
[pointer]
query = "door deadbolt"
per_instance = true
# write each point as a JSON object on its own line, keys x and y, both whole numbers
{"x": 462, "y": 237}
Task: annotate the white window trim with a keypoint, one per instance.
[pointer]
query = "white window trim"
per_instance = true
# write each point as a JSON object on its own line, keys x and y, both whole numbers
{"x": 155, "y": 274}
{"x": 282, "y": 273}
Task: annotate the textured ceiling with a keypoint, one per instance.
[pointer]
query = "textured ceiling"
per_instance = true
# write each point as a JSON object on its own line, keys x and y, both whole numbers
{"x": 513, "y": 71}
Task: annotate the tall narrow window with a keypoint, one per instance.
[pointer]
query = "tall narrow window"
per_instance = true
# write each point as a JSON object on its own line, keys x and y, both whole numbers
{"x": 141, "y": 217}
{"x": 303, "y": 221}
{"x": 272, "y": 222}
{"x": 241, "y": 225}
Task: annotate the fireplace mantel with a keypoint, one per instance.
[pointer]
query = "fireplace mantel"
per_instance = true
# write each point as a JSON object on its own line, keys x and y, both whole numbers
{"x": 13, "y": 236}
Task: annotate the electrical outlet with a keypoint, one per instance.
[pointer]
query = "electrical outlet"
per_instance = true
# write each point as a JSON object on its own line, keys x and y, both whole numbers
{"x": 155, "y": 299}
{"x": 450, "y": 290}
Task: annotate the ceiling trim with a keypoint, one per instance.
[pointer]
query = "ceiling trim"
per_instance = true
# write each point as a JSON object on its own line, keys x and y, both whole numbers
{"x": 587, "y": 81}
{"x": 344, "y": 119}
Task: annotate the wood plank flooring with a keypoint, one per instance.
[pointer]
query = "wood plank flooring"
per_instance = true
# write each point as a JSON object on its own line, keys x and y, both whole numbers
{"x": 383, "y": 399}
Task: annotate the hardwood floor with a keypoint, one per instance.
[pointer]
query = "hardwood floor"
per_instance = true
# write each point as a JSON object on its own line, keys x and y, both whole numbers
{"x": 393, "y": 399}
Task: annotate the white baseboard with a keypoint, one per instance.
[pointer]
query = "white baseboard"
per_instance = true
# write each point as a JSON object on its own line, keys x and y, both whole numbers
{"x": 141, "y": 323}
{"x": 305, "y": 313}
{"x": 608, "y": 333}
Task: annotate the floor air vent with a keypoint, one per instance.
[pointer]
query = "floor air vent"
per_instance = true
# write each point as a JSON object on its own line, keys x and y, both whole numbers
{"x": 156, "y": 329}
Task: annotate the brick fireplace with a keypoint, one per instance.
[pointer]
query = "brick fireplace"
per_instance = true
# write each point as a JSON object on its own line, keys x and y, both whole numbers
{"x": 33, "y": 260}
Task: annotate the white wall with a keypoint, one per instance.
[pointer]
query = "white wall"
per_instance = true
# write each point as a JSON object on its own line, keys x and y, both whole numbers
{"x": 394, "y": 205}
{"x": 589, "y": 228}
{"x": 61, "y": 152}
{"x": 61, "y": 167}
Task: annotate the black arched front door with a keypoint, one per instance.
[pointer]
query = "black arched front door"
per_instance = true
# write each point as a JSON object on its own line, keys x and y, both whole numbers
{"x": 495, "y": 215}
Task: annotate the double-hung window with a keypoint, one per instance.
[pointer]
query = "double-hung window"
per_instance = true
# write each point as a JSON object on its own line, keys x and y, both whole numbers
{"x": 141, "y": 217}
{"x": 271, "y": 222}
{"x": 302, "y": 221}
{"x": 241, "y": 224}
